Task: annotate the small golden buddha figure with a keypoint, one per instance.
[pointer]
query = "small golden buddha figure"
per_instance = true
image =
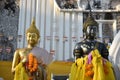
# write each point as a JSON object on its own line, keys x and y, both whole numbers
{"x": 29, "y": 63}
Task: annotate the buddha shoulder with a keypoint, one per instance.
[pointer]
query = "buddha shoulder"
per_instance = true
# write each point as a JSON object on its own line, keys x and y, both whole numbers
{"x": 79, "y": 44}
{"x": 21, "y": 50}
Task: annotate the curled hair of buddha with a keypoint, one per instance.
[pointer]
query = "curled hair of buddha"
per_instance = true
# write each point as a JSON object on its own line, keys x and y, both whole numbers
{"x": 33, "y": 29}
{"x": 89, "y": 22}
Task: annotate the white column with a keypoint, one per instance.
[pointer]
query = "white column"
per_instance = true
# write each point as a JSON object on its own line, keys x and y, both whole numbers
{"x": 67, "y": 35}
{"x": 22, "y": 22}
{"x": 57, "y": 31}
{"x": 45, "y": 27}
{"x": 33, "y": 10}
{"x": 61, "y": 33}
{"x": 78, "y": 3}
{"x": 42, "y": 23}
{"x": 71, "y": 32}
{"x": 48, "y": 25}
{"x": 63, "y": 37}
{"x": 114, "y": 28}
{"x": 80, "y": 26}
{"x": 19, "y": 25}
{"x": 38, "y": 18}
{"x": 51, "y": 24}
{"x": 53, "y": 32}
{"x": 38, "y": 8}
{"x": 75, "y": 32}
{"x": 100, "y": 31}
{"x": 28, "y": 13}
{"x": 28, "y": 17}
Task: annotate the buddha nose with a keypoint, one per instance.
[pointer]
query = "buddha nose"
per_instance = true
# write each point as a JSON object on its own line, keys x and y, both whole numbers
{"x": 31, "y": 38}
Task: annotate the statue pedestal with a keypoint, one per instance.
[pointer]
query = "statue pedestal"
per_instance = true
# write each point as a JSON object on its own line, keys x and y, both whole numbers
{"x": 59, "y": 69}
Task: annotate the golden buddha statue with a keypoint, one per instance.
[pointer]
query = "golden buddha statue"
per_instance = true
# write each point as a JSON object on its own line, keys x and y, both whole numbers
{"x": 29, "y": 63}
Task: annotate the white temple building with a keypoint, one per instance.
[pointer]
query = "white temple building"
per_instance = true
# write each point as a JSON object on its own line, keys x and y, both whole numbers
{"x": 61, "y": 28}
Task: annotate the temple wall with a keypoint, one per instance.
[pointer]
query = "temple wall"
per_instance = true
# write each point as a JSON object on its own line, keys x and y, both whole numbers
{"x": 60, "y": 29}
{"x": 9, "y": 22}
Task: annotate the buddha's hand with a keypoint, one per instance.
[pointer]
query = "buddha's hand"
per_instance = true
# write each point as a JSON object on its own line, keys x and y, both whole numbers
{"x": 13, "y": 70}
{"x": 24, "y": 59}
{"x": 24, "y": 55}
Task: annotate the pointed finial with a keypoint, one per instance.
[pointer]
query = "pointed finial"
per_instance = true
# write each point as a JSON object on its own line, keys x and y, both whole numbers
{"x": 90, "y": 20}
{"x": 90, "y": 9}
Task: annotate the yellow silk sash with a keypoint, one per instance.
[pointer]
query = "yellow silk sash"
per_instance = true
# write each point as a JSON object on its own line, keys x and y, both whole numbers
{"x": 20, "y": 73}
{"x": 102, "y": 68}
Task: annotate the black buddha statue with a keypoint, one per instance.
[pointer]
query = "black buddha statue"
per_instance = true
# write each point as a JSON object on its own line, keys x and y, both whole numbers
{"x": 91, "y": 56}
{"x": 90, "y": 28}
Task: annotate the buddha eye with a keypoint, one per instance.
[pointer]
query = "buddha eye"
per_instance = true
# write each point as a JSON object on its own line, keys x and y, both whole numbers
{"x": 29, "y": 36}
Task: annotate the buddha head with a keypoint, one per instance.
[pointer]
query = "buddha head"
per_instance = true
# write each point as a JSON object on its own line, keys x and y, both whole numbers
{"x": 33, "y": 34}
{"x": 90, "y": 28}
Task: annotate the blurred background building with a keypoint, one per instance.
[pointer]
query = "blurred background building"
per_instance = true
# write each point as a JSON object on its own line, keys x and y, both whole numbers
{"x": 60, "y": 23}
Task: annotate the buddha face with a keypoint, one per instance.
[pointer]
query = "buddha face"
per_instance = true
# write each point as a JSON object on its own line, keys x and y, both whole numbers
{"x": 32, "y": 38}
{"x": 91, "y": 31}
